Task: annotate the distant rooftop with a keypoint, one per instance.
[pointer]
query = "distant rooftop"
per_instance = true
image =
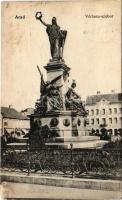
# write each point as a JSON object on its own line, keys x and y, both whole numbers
{"x": 26, "y": 109}
{"x": 113, "y": 98}
{"x": 31, "y": 110}
{"x": 11, "y": 113}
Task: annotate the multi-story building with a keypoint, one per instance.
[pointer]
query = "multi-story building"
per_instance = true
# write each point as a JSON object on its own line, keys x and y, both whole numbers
{"x": 105, "y": 110}
{"x": 13, "y": 121}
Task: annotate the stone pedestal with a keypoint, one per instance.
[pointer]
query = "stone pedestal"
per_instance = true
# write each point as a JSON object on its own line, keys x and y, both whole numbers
{"x": 60, "y": 71}
{"x": 56, "y": 68}
{"x": 64, "y": 124}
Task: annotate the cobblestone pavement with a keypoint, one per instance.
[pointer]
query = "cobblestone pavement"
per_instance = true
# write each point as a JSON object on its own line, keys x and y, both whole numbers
{"x": 24, "y": 190}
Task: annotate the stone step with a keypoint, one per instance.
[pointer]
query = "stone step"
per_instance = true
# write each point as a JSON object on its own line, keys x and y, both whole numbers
{"x": 81, "y": 145}
{"x": 17, "y": 146}
{"x": 72, "y": 139}
{"x": 21, "y": 140}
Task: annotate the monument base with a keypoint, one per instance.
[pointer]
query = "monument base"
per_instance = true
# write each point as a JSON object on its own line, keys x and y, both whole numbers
{"x": 83, "y": 142}
{"x": 66, "y": 128}
{"x": 64, "y": 123}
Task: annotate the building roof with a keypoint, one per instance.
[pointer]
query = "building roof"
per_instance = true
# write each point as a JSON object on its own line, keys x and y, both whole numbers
{"x": 11, "y": 113}
{"x": 28, "y": 110}
{"x": 112, "y": 98}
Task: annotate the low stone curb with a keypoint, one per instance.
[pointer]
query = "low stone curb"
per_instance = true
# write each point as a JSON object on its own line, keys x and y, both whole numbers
{"x": 93, "y": 184}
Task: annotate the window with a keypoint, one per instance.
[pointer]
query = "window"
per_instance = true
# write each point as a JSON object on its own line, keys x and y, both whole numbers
{"x": 110, "y": 120}
{"x": 97, "y": 120}
{"x": 103, "y": 111}
{"x": 115, "y": 131}
{"x": 88, "y": 112}
{"x": 92, "y": 112}
{"x": 97, "y": 131}
{"x": 121, "y": 121}
{"x": 110, "y": 111}
{"x": 115, "y": 120}
{"x": 115, "y": 110}
{"x": 97, "y": 111}
{"x": 5, "y": 123}
{"x": 87, "y": 121}
{"x": 92, "y": 121}
{"x": 103, "y": 120}
{"x": 120, "y": 110}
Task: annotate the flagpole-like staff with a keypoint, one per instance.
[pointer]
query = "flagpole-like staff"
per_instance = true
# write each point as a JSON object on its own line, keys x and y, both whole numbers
{"x": 39, "y": 70}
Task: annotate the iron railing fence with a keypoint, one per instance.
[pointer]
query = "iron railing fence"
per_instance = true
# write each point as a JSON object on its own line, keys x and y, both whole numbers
{"x": 89, "y": 163}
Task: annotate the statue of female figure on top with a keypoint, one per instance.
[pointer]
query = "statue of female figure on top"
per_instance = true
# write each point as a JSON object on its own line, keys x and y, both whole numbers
{"x": 56, "y": 37}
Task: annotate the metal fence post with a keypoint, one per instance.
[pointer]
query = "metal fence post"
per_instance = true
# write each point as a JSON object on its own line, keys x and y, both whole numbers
{"x": 28, "y": 157}
{"x": 72, "y": 168}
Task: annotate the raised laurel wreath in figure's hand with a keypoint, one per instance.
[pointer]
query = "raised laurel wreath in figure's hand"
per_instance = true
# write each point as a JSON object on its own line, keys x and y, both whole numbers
{"x": 38, "y": 15}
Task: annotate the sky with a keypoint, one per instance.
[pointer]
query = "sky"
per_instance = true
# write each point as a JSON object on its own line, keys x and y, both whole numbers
{"x": 92, "y": 49}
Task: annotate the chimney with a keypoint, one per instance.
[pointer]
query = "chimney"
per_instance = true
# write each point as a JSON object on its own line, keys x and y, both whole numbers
{"x": 10, "y": 106}
{"x": 112, "y": 91}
